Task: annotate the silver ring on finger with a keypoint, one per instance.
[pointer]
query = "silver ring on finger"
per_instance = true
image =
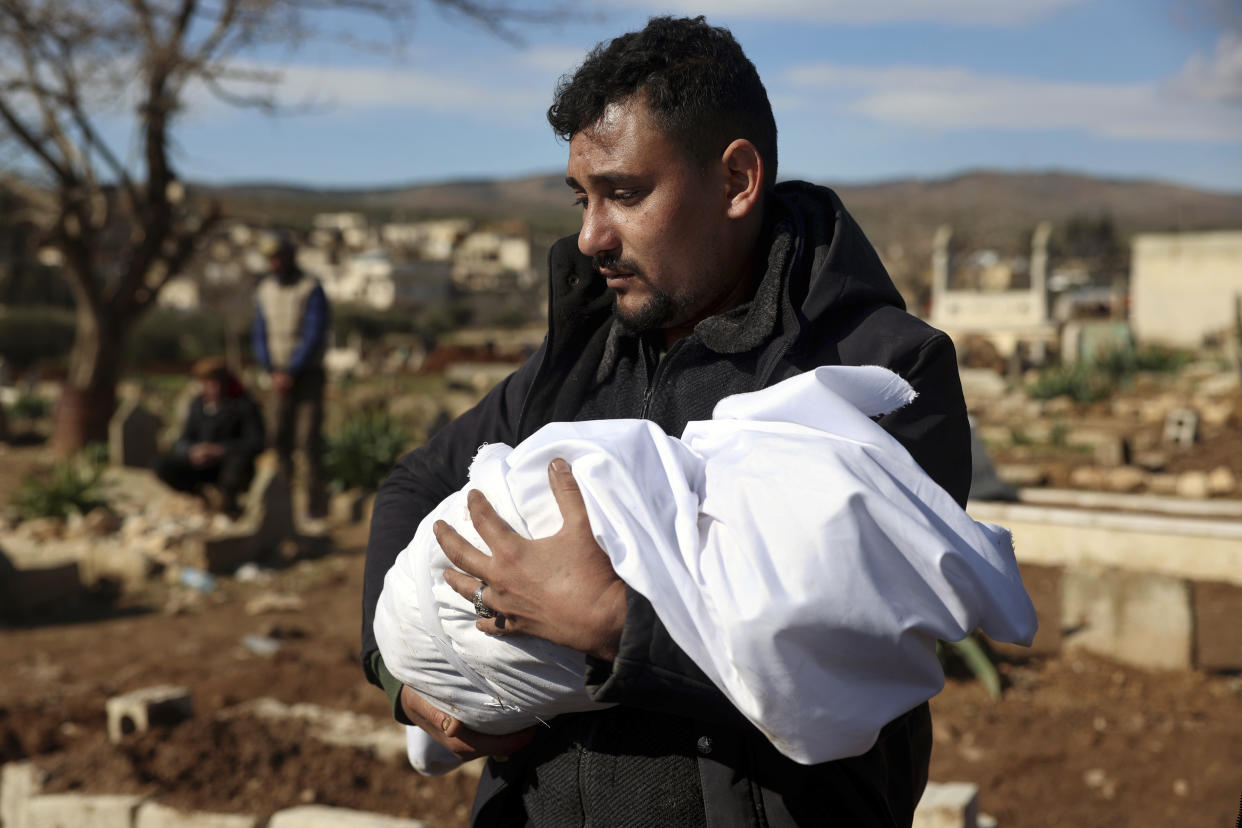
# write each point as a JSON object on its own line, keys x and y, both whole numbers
{"x": 481, "y": 609}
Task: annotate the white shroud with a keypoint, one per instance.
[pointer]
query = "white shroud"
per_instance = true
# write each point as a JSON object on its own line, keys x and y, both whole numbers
{"x": 792, "y": 548}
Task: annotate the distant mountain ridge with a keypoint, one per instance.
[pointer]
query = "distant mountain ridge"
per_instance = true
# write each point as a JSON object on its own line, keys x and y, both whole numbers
{"x": 992, "y": 206}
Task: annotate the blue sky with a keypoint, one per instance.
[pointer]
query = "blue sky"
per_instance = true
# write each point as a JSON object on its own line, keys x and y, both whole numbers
{"x": 862, "y": 89}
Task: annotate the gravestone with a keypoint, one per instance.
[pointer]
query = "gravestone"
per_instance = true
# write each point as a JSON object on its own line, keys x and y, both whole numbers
{"x": 985, "y": 482}
{"x": 133, "y": 436}
{"x": 266, "y": 531}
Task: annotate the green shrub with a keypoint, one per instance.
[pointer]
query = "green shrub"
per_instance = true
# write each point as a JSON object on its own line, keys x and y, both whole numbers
{"x": 95, "y": 455}
{"x": 166, "y": 335}
{"x": 437, "y": 320}
{"x": 1161, "y": 359}
{"x": 1080, "y": 382}
{"x": 360, "y": 454}
{"x": 349, "y": 320}
{"x": 68, "y": 487}
{"x": 29, "y": 335}
{"x": 30, "y": 407}
{"x": 1089, "y": 382}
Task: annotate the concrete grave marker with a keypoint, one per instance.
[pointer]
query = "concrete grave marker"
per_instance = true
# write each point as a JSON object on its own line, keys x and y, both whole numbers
{"x": 133, "y": 436}
{"x": 1139, "y": 618}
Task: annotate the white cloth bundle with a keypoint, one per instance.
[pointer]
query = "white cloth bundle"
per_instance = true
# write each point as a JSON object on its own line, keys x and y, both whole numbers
{"x": 792, "y": 548}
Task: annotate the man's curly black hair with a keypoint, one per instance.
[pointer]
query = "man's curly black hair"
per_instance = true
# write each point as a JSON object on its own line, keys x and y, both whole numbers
{"x": 700, "y": 87}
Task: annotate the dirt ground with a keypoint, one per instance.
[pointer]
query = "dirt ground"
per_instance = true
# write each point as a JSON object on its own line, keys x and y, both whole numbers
{"x": 1076, "y": 740}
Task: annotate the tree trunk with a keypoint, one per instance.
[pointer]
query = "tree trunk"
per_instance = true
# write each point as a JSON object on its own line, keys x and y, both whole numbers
{"x": 89, "y": 394}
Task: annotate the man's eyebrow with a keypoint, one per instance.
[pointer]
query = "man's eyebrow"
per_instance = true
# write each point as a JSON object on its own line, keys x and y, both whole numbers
{"x": 605, "y": 179}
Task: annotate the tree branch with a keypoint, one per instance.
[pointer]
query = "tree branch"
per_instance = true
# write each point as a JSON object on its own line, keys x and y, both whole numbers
{"x": 184, "y": 247}
{"x": 33, "y": 143}
{"x": 145, "y": 17}
{"x": 177, "y": 37}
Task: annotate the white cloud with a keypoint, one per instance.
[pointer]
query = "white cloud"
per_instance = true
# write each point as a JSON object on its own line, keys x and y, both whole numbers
{"x": 346, "y": 89}
{"x": 949, "y": 98}
{"x": 551, "y": 59}
{"x": 1218, "y": 78}
{"x": 959, "y": 12}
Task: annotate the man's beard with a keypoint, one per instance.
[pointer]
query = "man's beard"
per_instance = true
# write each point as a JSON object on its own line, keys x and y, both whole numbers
{"x": 658, "y": 312}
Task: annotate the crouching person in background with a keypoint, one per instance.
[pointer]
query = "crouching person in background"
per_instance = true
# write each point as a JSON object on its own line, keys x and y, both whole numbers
{"x": 220, "y": 439}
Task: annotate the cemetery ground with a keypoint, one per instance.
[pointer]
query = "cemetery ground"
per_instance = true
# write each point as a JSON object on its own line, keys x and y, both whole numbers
{"x": 1075, "y": 740}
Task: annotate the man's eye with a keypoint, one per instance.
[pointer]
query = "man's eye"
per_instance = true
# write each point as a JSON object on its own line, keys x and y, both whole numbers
{"x": 624, "y": 195}
{"x": 580, "y": 201}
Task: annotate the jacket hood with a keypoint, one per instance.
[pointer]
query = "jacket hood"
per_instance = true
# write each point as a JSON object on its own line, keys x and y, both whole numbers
{"x": 832, "y": 266}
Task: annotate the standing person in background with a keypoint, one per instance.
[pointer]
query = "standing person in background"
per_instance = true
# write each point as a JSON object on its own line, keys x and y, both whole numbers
{"x": 220, "y": 439}
{"x": 290, "y": 335}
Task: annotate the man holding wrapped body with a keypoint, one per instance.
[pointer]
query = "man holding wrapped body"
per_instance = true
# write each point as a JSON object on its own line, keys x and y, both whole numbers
{"x": 694, "y": 277}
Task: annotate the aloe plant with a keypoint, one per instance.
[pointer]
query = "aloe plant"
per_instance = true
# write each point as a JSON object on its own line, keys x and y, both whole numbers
{"x": 977, "y": 659}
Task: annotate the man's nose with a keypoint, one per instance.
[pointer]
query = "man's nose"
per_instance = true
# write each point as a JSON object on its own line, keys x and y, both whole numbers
{"x": 598, "y": 234}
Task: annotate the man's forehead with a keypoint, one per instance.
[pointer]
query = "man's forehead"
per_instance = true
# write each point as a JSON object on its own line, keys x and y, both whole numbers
{"x": 620, "y": 119}
{"x": 624, "y": 143}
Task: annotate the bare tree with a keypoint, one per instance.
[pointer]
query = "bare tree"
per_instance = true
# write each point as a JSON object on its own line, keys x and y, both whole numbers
{"x": 121, "y": 221}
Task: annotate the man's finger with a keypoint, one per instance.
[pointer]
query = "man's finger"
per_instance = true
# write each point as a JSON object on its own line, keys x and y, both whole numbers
{"x": 490, "y": 526}
{"x": 463, "y": 585}
{"x": 458, "y": 550}
{"x": 500, "y": 625}
{"x": 567, "y": 493}
{"x": 483, "y": 744}
{"x": 461, "y": 740}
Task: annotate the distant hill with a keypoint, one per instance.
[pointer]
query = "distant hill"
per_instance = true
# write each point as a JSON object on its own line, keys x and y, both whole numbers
{"x": 543, "y": 200}
{"x": 992, "y": 206}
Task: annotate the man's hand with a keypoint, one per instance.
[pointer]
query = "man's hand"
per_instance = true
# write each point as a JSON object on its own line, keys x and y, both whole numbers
{"x": 467, "y": 744}
{"x": 561, "y": 588}
{"x": 202, "y": 454}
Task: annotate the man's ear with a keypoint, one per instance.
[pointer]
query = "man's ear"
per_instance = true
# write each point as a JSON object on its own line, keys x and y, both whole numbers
{"x": 744, "y": 176}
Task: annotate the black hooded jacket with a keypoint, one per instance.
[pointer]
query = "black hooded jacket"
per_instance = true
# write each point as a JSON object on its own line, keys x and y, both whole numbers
{"x": 674, "y": 751}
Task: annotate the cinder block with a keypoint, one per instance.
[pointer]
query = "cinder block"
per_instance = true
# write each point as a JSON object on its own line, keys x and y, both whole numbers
{"x": 1135, "y": 617}
{"x": 163, "y": 704}
{"x": 19, "y": 783}
{"x": 77, "y": 810}
{"x": 155, "y": 815}
{"x": 324, "y": 816}
{"x": 948, "y": 805}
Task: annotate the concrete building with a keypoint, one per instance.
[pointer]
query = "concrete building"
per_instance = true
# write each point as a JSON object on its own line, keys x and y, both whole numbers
{"x": 373, "y": 278}
{"x": 180, "y": 293}
{"x": 352, "y": 228}
{"x": 493, "y": 261}
{"x": 1012, "y": 318}
{"x": 1184, "y": 286}
{"x": 431, "y": 240}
